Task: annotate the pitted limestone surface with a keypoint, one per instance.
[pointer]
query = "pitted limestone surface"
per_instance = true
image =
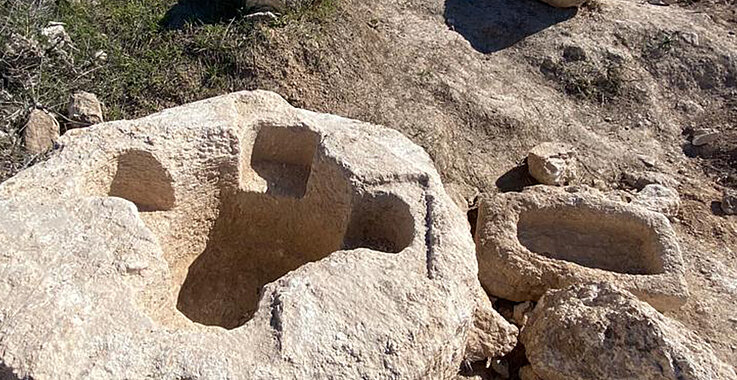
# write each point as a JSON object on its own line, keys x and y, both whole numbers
{"x": 547, "y": 238}
{"x": 235, "y": 237}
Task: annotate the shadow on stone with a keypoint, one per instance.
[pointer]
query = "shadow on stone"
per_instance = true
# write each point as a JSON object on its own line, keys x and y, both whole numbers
{"x": 6, "y": 373}
{"x": 259, "y": 238}
{"x": 493, "y": 25}
{"x": 716, "y": 208}
{"x": 515, "y": 179}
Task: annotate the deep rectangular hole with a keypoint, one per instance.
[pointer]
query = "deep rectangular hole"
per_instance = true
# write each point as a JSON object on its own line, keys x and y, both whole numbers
{"x": 282, "y": 158}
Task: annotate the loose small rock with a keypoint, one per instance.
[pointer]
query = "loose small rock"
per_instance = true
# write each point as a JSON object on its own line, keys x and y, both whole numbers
{"x": 553, "y": 163}
{"x": 40, "y": 132}
{"x": 56, "y": 35}
{"x": 703, "y": 137}
{"x": 729, "y": 202}
{"x": 84, "y": 107}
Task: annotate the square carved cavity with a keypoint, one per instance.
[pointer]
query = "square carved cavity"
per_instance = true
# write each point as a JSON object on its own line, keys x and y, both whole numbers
{"x": 281, "y": 161}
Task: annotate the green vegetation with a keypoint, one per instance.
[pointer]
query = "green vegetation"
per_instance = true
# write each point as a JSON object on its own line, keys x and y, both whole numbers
{"x": 138, "y": 56}
{"x": 600, "y": 83}
{"x": 149, "y": 65}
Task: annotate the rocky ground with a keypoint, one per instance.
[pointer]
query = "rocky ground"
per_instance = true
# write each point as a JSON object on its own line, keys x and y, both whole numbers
{"x": 635, "y": 87}
{"x": 479, "y": 83}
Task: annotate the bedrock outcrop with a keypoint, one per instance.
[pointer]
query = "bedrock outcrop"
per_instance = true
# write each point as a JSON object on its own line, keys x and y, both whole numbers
{"x": 237, "y": 237}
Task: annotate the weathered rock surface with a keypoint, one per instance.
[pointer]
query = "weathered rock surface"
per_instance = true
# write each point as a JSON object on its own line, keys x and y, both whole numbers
{"x": 526, "y": 373}
{"x": 547, "y": 237}
{"x": 40, "y": 132}
{"x": 237, "y": 237}
{"x": 639, "y": 180}
{"x": 703, "y": 137}
{"x": 659, "y": 198}
{"x": 729, "y": 202}
{"x": 84, "y": 107}
{"x": 553, "y": 163}
{"x": 491, "y": 335}
{"x": 597, "y": 331}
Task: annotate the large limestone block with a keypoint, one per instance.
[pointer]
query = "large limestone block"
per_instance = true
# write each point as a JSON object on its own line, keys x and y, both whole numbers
{"x": 236, "y": 237}
{"x": 597, "y": 331}
{"x": 547, "y": 237}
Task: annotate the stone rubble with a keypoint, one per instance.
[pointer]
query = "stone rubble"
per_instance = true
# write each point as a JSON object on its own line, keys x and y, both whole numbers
{"x": 152, "y": 251}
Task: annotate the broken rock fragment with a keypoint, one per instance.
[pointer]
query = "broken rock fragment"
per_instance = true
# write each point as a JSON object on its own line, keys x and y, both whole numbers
{"x": 599, "y": 331}
{"x": 84, "y": 107}
{"x": 522, "y": 312}
{"x": 704, "y": 137}
{"x": 40, "y": 132}
{"x": 659, "y": 198}
{"x": 553, "y": 163}
{"x": 491, "y": 335}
